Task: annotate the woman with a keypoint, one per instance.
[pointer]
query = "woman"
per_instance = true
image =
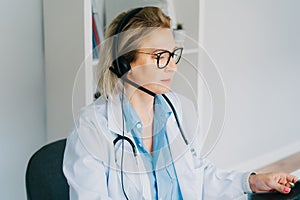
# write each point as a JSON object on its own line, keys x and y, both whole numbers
{"x": 139, "y": 140}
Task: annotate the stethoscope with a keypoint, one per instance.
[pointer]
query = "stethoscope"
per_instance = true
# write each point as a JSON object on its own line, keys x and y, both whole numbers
{"x": 122, "y": 138}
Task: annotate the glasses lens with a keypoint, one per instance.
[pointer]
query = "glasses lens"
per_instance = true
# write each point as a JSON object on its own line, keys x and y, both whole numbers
{"x": 163, "y": 59}
{"x": 177, "y": 55}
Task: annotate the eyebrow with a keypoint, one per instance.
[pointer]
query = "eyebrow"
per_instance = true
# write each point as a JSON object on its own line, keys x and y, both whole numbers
{"x": 162, "y": 50}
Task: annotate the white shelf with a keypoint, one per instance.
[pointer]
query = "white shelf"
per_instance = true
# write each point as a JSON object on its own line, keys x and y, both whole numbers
{"x": 190, "y": 51}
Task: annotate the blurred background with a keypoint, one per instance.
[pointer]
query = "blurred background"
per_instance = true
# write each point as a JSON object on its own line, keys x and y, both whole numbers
{"x": 254, "y": 44}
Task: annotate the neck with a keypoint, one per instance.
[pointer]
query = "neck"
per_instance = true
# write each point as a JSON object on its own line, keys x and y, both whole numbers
{"x": 137, "y": 97}
{"x": 141, "y": 102}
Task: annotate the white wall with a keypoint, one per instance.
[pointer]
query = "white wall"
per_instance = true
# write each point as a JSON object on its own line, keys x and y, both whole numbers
{"x": 256, "y": 46}
{"x": 68, "y": 44}
{"x": 22, "y": 102}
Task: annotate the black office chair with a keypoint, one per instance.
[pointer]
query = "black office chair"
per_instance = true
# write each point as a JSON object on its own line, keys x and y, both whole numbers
{"x": 44, "y": 176}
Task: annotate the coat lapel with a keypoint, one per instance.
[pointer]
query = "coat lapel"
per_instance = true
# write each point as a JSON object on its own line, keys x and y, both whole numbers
{"x": 189, "y": 171}
{"x": 188, "y": 168}
{"x": 132, "y": 182}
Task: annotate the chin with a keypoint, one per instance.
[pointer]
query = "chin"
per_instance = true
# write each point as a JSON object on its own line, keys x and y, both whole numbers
{"x": 159, "y": 89}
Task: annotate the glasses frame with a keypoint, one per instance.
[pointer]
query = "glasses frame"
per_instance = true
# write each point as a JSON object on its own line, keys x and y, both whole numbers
{"x": 158, "y": 55}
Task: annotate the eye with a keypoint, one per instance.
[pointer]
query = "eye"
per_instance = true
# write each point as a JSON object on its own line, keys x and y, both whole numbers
{"x": 162, "y": 55}
{"x": 155, "y": 56}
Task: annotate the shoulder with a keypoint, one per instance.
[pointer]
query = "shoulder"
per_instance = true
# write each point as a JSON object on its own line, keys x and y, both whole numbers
{"x": 90, "y": 128}
{"x": 89, "y": 111}
{"x": 92, "y": 114}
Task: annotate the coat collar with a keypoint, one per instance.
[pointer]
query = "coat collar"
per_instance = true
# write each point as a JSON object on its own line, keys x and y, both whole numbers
{"x": 114, "y": 115}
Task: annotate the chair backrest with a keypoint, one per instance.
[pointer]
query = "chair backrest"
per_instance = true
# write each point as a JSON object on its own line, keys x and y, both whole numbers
{"x": 44, "y": 175}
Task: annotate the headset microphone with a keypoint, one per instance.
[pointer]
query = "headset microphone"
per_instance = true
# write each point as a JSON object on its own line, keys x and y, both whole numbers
{"x": 124, "y": 78}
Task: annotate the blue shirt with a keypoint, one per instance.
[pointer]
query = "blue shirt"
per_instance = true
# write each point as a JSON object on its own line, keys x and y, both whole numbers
{"x": 162, "y": 174}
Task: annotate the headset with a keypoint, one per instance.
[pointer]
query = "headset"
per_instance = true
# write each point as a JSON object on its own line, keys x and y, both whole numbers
{"x": 120, "y": 66}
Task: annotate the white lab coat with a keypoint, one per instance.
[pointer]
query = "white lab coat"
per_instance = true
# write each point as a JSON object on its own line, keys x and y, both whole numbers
{"x": 92, "y": 173}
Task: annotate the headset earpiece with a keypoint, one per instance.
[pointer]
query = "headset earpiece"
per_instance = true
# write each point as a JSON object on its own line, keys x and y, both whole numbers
{"x": 120, "y": 66}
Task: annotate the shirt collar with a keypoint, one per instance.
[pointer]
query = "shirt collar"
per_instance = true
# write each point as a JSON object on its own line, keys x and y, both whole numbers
{"x": 161, "y": 110}
{"x": 131, "y": 117}
{"x": 161, "y": 113}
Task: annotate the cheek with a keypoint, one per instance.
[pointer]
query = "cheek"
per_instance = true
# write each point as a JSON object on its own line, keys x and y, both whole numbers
{"x": 144, "y": 69}
{"x": 145, "y": 75}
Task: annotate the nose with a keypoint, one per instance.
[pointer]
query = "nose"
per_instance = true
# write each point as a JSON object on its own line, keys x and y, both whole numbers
{"x": 172, "y": 66}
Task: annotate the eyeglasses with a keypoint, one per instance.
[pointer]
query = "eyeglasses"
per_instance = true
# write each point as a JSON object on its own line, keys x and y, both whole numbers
{"x": 163, "y": 57}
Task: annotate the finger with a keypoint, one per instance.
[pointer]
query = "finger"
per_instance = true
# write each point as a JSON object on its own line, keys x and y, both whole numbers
{"x": 282, "y": 188}
{"x": 283, "y": 180}
{"x": 290, "y": 185}
{"x": 291, "y": 178}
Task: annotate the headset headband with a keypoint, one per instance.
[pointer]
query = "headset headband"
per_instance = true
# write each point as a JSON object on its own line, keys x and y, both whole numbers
{"x": 119, "y": 28}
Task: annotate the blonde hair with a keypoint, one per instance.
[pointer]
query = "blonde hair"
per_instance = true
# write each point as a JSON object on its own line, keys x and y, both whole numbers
{"x": 138, "y": 27}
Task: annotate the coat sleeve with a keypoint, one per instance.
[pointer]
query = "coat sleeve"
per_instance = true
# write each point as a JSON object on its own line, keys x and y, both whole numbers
{"x": 223, "y": 184}
{"x": 86, "y": 176}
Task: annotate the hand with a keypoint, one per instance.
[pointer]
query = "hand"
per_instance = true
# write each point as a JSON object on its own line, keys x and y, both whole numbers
{"x": 268, "y": 182}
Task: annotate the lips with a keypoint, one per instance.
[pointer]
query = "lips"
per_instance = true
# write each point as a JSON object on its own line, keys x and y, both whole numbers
{"x": 166, "y": 80}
